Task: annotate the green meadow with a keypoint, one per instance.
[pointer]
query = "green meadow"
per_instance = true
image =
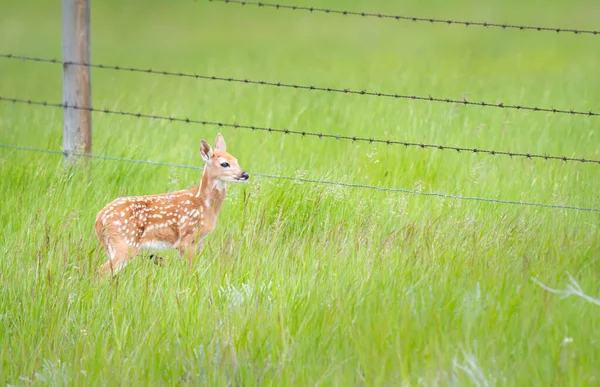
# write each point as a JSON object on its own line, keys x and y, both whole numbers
{"x": 301, "y": 283}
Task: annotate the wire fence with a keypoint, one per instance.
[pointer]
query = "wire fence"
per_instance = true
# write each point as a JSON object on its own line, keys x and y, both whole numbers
{"x": 305, "y": 133}
{"x": 503, "y": 26}
{"x": 429, "y": 98}
{"x": 460, "y": 102}
{"x": 314, "y": 181}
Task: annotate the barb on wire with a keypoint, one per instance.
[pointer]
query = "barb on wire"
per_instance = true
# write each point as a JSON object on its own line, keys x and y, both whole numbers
{"x": 315, "y": 181}
{"x": 463, "y": 102}
{"x": 429, "y": 20}
{"x": 306, "y": 133}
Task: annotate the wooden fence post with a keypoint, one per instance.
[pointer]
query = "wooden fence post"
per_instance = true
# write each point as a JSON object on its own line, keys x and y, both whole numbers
{"x": 76, "y": 79}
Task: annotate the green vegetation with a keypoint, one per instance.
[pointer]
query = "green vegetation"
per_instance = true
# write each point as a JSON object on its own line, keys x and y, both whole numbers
{"x": 303, "y": 284}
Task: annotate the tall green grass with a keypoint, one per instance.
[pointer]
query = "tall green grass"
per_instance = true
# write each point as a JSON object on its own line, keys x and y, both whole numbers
{"x": 303, "y": 284}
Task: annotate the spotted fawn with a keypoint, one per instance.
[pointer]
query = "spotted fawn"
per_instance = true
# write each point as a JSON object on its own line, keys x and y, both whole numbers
{"x": 176, "y": 220}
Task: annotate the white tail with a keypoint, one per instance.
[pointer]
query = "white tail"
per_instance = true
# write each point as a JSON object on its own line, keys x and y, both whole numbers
{"x": 178, "y": 220}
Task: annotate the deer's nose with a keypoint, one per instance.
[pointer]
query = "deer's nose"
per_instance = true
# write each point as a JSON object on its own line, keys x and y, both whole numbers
{"x": 245, "y": 176}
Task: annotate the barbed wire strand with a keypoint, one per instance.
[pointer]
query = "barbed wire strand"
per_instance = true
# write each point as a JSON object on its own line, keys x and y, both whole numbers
{"x": 314, "y": 181}
{"x": 463, "y": 102}
{"x": 306, "y": 133}
{"x": 503, "y": 26}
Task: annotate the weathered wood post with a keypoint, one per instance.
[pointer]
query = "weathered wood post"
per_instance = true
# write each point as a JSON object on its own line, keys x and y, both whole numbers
{"x": 76, "y": 79}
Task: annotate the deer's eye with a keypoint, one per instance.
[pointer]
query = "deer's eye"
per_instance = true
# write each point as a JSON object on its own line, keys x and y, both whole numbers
{"x": 225, "y": 165}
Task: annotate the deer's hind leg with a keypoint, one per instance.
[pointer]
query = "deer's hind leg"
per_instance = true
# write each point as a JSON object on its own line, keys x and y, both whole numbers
{"x": 120, "y": 253}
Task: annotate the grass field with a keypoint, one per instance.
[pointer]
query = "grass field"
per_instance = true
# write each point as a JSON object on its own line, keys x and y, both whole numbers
{"x": 306, "y": 284}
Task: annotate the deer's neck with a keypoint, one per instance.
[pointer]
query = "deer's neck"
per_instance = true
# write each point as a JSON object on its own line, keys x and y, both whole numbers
{"x": 211, "y": 193}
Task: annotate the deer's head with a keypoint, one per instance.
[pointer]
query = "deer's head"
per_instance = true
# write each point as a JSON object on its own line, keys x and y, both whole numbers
{"x": 221, "y": 165}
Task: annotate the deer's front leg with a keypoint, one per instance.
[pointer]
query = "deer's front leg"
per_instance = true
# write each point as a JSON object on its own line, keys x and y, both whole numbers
{"x": 189, "y": 250}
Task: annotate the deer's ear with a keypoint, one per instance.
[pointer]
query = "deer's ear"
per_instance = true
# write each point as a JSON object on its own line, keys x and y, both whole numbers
{"x": 205, "y": 151}
{"x": 220, "y": 143}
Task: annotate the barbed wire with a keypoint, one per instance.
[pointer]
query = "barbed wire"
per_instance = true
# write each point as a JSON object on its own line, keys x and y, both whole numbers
{"x": 503, "y": 26}
{"x": 314, "y": 181}
{"x": 305, "y": 133}
{"x": 463, "y": 101}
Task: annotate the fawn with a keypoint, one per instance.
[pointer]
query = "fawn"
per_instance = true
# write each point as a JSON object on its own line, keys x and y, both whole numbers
{"x": 178, "y": 220}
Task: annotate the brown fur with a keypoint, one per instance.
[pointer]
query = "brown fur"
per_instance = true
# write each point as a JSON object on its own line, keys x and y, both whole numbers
{"x": 177, "y": 220}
